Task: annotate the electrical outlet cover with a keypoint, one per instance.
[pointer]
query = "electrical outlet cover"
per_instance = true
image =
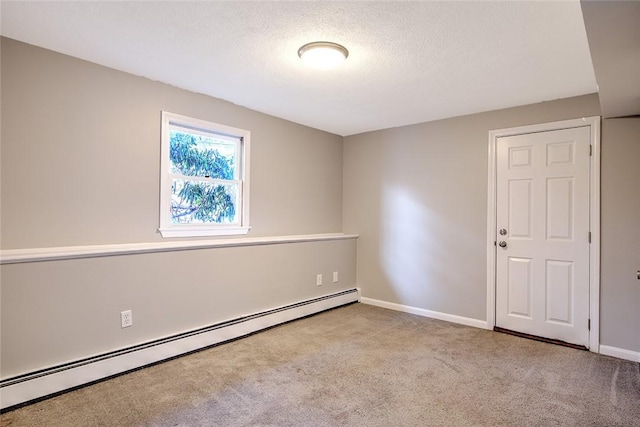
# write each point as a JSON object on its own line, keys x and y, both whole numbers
{"x": 126, "y": 318}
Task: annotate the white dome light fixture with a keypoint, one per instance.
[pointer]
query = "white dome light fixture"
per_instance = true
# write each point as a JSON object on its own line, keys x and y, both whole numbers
{"x": 323, "y": 55}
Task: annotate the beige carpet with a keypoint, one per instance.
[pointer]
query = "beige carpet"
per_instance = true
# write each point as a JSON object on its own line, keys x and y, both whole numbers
{"x": 360, "y": 366}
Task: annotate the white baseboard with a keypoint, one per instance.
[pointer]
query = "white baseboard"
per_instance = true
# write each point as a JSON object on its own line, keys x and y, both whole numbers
{"x": 606, "y": 350}
{"x": 427, "y": 313}
{"x": 620, "y": 353}
{"x": 36, "y": 385}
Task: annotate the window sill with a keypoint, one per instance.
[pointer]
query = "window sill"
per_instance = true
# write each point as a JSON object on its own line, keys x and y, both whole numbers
{"x": 202, "y": 232}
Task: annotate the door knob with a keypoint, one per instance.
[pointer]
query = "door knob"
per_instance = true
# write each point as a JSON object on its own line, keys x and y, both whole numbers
{"x": 502, "y": 244}
{"x": 503, "y": 232}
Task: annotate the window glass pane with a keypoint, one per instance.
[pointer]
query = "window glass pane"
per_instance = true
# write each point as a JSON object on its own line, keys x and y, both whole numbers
{"x": 201, "y": 202}
{"x": 192, "y": 154}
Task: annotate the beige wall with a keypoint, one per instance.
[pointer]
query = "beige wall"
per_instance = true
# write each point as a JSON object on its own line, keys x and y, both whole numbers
{"x": 620, "y": 288}
{"x": 80, "y": 166}
{"x": 417, "y": 196}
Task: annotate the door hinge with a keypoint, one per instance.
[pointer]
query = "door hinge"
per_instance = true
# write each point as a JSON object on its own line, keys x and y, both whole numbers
{"x": 590, "y": 150}
{"x": 589, "y": 324}
{"x": 589, "y": 237}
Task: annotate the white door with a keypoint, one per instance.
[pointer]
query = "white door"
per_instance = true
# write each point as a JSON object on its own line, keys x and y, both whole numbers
{"x": 542, "y": 210}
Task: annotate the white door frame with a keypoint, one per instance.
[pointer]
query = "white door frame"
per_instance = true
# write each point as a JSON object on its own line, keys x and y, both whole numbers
{"x": 594, "y": 218}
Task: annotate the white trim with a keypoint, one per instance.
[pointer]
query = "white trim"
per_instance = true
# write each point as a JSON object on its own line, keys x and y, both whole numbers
{"x": 189, "y": 231}
{"x": 13, "y": 256}
{"x": 243, "y": 138}
{"x": 620, "y": 353}
{"x": 57, "y": 380}
{"x": 594, "y": 199}
{"x": 491, "y": 233}
{"x": 426, "y": 313}
{"x": 594, "y": 249}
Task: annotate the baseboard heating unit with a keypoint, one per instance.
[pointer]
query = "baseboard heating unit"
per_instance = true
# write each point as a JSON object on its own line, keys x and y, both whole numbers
{"x": 28, "y": 388}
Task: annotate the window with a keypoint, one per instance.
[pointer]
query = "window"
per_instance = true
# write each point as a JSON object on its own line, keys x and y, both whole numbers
{"x": 204, "y": 179}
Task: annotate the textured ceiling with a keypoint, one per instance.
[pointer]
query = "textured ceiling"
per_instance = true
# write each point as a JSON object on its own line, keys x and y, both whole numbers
{"x": 409, "y": 62}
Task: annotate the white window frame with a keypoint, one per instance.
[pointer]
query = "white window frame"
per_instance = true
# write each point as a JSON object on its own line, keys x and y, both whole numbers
{"x": 167, "y": 229}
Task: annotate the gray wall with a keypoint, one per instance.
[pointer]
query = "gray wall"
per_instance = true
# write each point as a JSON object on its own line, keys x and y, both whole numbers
{"x": 620, "y": 256}
{"x": 417, "y": 197}
{"x": 80, "y": 166}
{"x": 57, "y": 311}
{"x": 81, "y": 155}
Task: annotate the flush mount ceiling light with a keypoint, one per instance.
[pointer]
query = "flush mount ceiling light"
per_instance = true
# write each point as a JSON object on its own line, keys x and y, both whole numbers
{"x": 323, "y": 55}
